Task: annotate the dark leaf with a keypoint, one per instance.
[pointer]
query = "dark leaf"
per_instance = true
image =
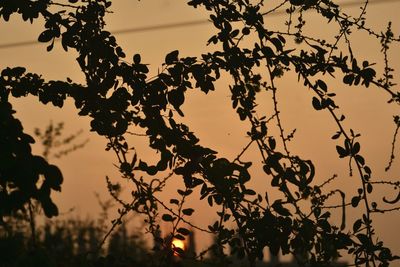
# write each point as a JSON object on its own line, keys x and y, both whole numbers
{"x": 136, "y": 59}
{"x": 46, "y": 36}
{"x": 272, "y": 143}
{"x": 210, "y": 201}
{"x": 167, "y": 218}
{"x": 341, "y": 151}
{"x": 188, "y": 212}
{"x": 316, "y": 103}
{"x": 367, "y": 170}
{"x": 249, "y": 192}
{"x": 357, "y": 225}
{"x": 176, "y": 98}
{"x": 172, "y": 57}
{"x": 369, "y": 188}
{"x": 49, "y": 208}
{"x": 348, "y": 79}
{"x": 184, "y": 193}
{"x": 336, "y": 135}
{"x": 277, "y": 43}
{"x": 183, "y": 231}
{"x": 277, "y": 206}
{"x": 355, "y": 200}
{"x": 356, "y": 148}
{"x": 50, "y": 47}
{"x": 363, "y": 239}
{"x": 174, "y": 201}
{"x": 180, "y": 237}
{"x": 359, "y": 159}
{"x": 322, "y": 85}
{"x": 54, "y": 177}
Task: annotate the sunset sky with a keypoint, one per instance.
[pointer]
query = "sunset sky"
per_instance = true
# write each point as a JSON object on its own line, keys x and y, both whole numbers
{"x": 211, "y": 116}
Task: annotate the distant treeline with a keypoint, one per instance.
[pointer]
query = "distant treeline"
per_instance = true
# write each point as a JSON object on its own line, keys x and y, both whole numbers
{"x": 70, "y": 242}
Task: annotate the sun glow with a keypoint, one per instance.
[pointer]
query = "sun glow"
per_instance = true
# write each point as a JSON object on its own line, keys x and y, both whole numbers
{"x": 176, "y": 243}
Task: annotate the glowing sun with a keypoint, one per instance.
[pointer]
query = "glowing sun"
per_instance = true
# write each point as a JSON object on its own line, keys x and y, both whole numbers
{"x": 176, "y": 243}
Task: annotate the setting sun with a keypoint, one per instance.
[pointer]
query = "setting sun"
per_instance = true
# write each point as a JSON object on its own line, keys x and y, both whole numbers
{"x": 176, "y": 243}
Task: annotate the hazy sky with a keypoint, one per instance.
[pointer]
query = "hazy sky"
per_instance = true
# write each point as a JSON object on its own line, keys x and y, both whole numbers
{"x": 211, "y": 117}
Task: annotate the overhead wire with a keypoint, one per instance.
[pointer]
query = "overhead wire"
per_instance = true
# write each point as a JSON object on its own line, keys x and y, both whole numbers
{"x": 182, "y": 24}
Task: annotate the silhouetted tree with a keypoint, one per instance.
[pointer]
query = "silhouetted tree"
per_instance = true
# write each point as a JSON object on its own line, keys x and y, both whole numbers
{"x": 120, "y": 98}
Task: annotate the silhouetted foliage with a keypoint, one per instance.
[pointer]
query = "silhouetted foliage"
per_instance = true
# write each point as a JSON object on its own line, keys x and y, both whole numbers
{"x": 120, "y": 98}
{"x": 21, "y": 184}
{"x": 71, "y": 242}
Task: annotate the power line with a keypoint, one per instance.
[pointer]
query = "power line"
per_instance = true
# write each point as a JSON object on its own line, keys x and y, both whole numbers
{"x": 181, "y": 24}
{"x": 200, "y": 22}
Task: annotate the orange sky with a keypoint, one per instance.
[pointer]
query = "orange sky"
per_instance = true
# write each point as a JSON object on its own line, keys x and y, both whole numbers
{"x": 211, "y": 116}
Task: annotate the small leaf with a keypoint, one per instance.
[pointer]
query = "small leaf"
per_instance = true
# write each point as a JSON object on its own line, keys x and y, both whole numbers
{"x": 188, "y": 212}
{"x": 167, "y": 218}
{"x": 360, "y": 159}
{"x": 176, "y": 98}
{"x": 325, "y": 226}
{"x": 369, "y": 188}
{"x": 249, "y": 192}
{"x": 46, "y": 36}
{"x": 363, "y": 239}
{"x": 152, "y": 170}
{"x": 180, "y": 237}
{"x": 234, "y": 33}
{"x": 356, "y": 148}
{"x": 54, "y": 177}
{"x": 218, "y": 199}
{"x": 136, "y": 59}
{"x": 277, "y": 43}
{"x": 336, "y": 135}
{"x": 272, "y": 143}
{"x": 183, "y": 231}
{"x": 50, "y": 47}
{"x": 174, "y": 201}
{"x": 367, "y": 170}
{"x": 321, "y": 84}
{"x": 277, "y": 206}
{"x": 50, "y": 209}
{"x": 266, "y": 169}
{"x": 276, "y": 181}
{"x": 246, "y": 31}
{"x": 210, "y": 201}
{"x": 355, "y": 200}
{"x": 316, "y": 103}
{"x": 348, "y": 79}
{"x": 184, "y": 193}
{"x": 172, "y": 57}
{"x": 341, "y": 151}
{"x": 357, "y": 225}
